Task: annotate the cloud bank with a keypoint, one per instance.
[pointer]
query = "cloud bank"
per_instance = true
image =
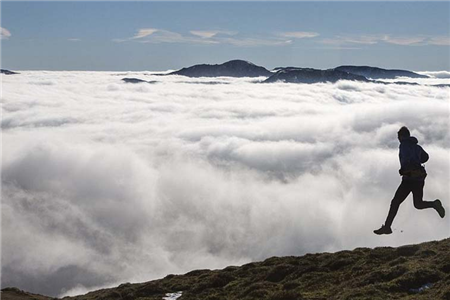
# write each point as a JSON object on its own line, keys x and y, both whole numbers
{"x": 106, "y": 182}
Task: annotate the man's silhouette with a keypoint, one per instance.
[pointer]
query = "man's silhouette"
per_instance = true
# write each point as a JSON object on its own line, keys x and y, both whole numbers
{"x": 412, "y": 156}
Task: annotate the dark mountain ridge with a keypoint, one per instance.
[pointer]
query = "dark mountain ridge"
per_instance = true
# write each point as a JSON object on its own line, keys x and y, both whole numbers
{"x": 7, "y": 72}
{"x": 409, "y": 272}
{"x": 232, "y": 68}
{"x": 241, "y": 68}
{"x": 379, "y": 73}
{"x": 309, "y": 75}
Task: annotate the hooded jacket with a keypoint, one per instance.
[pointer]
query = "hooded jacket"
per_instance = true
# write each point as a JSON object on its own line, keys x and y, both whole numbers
{"x": 412, "y": 156}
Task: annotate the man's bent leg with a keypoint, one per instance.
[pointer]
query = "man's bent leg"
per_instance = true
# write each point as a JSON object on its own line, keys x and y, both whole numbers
{"x": 400, "y": 195}
{"x": 417, "y": 191}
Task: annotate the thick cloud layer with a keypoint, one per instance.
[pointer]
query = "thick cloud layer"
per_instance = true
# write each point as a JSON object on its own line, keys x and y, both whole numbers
{"x": 106, "y": 182}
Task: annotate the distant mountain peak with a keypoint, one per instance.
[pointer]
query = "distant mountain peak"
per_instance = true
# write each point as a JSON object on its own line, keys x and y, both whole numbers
{"x": 239, "y": 61}
{"x": 232, "y": 68}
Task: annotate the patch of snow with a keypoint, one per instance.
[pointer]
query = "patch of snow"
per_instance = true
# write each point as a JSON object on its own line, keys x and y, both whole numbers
{"x": 172, "y": 296}
{"x": 422, "y": 288}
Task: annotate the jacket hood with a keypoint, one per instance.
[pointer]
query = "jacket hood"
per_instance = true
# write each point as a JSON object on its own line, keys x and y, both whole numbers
{"x": 409, "y": 140}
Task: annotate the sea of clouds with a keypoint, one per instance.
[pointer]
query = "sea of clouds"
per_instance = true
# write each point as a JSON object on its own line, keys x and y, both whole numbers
{"x": 105, "y": 182}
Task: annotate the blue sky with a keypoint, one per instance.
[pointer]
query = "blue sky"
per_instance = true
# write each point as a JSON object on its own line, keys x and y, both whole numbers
{"x": 170, "y": 35}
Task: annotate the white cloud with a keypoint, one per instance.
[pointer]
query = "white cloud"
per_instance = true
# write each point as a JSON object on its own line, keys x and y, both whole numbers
{"x": 386, "y": 38}
{"x": 204, "y": 34}
{"x": 165, "y": 36}
{"x": 342, "y": 40}
{"x": 111, "y": 182}
{"x": 367, "y": 40}
{"x": 151, "y": 35}
{"x": 74, "y": 40}
{"x": 440, "y": 41}
{"x": 4, "y": 33}
{"x": 211, "y": 33}
{"x": 299, "y": 34}
{"x": 253, "y": 42}
{"x": 144, "y": 32}
{"x": 405, "y": 41}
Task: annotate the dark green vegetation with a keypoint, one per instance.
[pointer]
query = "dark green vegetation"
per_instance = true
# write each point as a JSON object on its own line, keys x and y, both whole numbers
{"x": 408, "y": 272}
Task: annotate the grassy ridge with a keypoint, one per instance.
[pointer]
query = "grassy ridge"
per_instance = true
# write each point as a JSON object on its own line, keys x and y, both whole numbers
{"x": 408, "y": 272}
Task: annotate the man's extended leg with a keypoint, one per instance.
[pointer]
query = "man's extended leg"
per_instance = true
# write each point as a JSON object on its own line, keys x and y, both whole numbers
{"x": 400, "y": 195}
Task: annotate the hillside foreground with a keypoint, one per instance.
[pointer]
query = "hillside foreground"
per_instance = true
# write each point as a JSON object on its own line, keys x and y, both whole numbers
{"x": 409, "y": 272}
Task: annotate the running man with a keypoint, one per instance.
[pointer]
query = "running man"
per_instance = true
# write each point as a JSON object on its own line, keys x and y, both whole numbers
{"x": 412, "y": 156}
